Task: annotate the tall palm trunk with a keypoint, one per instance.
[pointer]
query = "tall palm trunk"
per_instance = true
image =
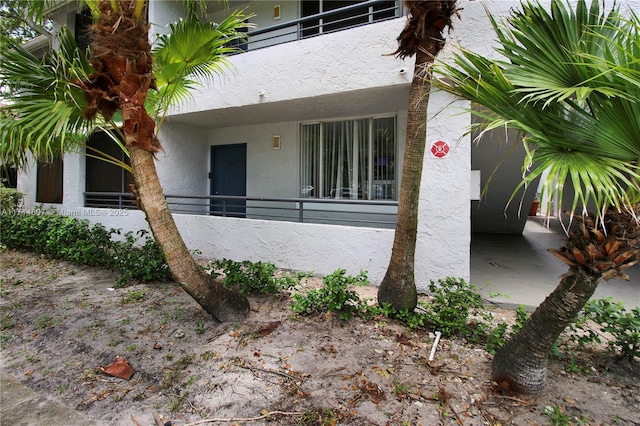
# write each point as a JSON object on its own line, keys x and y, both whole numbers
{"x": 521, "y": 364}
{"x": 398, "y": 286}
{"x": 423, "y": 37}
{"x": 121, "y": 55}
{"x": 223, "y": 304}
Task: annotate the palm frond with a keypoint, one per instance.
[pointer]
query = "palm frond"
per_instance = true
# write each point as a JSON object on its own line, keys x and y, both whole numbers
{"x": 44, "y": 112}
{"x": 569, "y": 81}
{"x": 544, "y": 50}
{"x": 191, "y": 51}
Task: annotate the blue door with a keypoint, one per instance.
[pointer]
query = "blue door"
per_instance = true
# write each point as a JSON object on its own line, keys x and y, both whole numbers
{"x": 229, "y": 177}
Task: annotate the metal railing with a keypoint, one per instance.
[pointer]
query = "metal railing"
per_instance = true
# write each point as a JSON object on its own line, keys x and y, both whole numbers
{"x": 375, "y": 213}
{"x": 110, "y": 200}
{"x": 323, "y": 23}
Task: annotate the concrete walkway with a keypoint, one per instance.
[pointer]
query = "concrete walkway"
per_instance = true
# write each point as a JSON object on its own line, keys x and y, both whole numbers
{"x": 520, "y": 267}
{"x": 21, "y": 406}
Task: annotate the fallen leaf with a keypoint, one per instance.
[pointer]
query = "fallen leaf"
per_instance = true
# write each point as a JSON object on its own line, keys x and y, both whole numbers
{"x": 374, "y": 391}
{"x": 267, "y": 329}
{"x": 119, "y": 368}
{"x": 403, "y": 339}
{"x": 385, "y": 372}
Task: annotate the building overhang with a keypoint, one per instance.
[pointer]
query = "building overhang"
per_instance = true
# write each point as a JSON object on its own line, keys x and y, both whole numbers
{"x": 372, "y": 101}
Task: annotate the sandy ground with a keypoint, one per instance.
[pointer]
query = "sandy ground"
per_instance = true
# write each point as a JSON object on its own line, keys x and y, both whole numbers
{"x": 61, "y": 323}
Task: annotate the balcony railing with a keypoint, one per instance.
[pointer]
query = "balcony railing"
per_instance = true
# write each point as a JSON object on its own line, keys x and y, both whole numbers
{"x": 377, "y": 214}
{"x": 110, "y": 200}
{"x": 322, "y": 23}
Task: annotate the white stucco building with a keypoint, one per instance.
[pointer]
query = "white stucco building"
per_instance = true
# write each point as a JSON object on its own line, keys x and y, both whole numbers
{"x": 306, "y": 126}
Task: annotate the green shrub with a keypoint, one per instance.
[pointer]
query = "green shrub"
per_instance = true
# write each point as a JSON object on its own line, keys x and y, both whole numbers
{"x": 137, "y": 257}
{"x": 457, "y": 309}
{"x": 497, "y": 337}
{"x": 10, "y": 199}
{"x": 78, "y": 242}
{"x": 333, "y": 296}
{"x": 249, "y": 277}
{"x": 619, "y": 328}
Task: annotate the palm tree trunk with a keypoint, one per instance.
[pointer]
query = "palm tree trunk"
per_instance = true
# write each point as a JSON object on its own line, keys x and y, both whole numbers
{"x": 121, "y": 55}
{"x": 398, "y": 285}
{"x": 422, "y": 36}
{"x": 222, "y": 304}
{"x": 521, "y": 364}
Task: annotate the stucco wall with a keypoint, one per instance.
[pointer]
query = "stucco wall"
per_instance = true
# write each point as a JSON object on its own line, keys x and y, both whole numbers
{"x": 332, "y": 63}
{"x": 27, "y": 184}
{"x": 183, "y": 166}
{"x": 444, "y": 230}
{"x": 270, "y": 173}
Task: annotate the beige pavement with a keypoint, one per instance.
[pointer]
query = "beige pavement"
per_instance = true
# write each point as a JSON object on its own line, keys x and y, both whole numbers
{"x": 520, "y": 267}
{"x": 21, "y": 406}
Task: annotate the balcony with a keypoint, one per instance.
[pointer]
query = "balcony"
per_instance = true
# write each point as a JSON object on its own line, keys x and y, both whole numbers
{"x": 324, "y": 22}
{"x": 346, "y": 212}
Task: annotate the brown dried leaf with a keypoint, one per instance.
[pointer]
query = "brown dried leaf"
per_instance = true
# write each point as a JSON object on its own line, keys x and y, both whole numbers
{"x": 623, "y": 257}
{"x": 268, "y": 329}
{"x": 119, "y": 368}
{"x": 579, "y": 256}
{"x": 562, "y": 257}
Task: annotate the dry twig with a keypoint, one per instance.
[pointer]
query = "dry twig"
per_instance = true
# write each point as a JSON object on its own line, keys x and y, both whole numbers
{"x": 254, "y": 369}
{"x": 245, "y": 419}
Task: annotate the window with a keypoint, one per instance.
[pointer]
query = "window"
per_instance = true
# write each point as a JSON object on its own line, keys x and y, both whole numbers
{"x": 83, "y": 23}
{"x": 8, "y": 176}
{"x": 352, "y": 159}
{"x": 49, "y": 182}
{"x": 105, "y": 177}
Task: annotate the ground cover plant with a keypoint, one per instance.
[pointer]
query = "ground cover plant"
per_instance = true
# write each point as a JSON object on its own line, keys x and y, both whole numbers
{"x": 135, "y": 255}
{"x": 10, "y": 198}
{"x": 250, "y": 277}
{"x": 314, "y": 350}
{"x": 60, "y": 322}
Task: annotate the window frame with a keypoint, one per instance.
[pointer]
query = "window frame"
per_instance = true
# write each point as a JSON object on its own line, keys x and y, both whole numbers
{"x": 370, "y": 124}
{"x": 50, "y": 181}
{"x": 106, "y": 172}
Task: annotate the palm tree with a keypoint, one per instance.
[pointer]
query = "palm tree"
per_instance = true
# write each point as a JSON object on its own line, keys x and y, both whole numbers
{"x": 422, "y": 37}
{"x": 569, "y": 81}
{"x": 58, "y": 102}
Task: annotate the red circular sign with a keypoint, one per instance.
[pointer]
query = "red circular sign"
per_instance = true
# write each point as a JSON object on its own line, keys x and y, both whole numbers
{"x": 440, "y": 149}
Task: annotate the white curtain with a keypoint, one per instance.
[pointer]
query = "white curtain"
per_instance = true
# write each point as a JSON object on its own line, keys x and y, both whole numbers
{"x": 348, "y": 159}
{"x": 310, "y": 153}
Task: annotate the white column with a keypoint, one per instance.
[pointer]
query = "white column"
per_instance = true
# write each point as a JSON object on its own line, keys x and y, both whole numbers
{"x": 444, "y": 226}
